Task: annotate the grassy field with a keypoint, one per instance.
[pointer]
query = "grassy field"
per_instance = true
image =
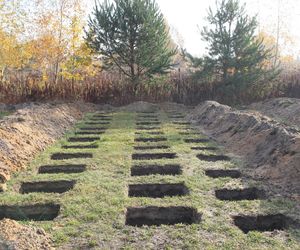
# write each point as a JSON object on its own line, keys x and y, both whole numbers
{"x": 93, "y": 213}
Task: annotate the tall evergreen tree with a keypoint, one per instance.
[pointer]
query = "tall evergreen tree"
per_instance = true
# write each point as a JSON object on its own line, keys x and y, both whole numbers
{"x": 235, "y": 53}
{"x": 131, "y": 35}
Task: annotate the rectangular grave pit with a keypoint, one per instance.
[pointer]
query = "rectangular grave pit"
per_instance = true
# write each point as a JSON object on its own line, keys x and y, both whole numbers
{"x": 103, "y": 115}
{"x": 47, "y": 186}
{"x": 153, "y": 156}
{"x": 150, "y": 123}
{"x": 99, "y": 119}
{"x": 157, "y": 190}
{"x": 150, "y": 133}
{"x": 151, "y": 147}
{"x": 97, "y": 123}
{"x": 154, "y": 169}
{"x": 213, "y": 158}
{"x": 219, "y": 173}
{"x": 146, "y": 112}
{"x": 150, "y": 139}
{"x": 97, "y": 129}
{"x": 147, "y": 128}
{"x": 176, "y": 116}
{"x": 189, "y": 133}
{"x": 89, "y": 132}
{"x": 204, "y": 148}
{"x": 181, "y": 123}
{"x": 262, "y": 223}
{"x": 36, "y": 212}
{"x": 147, "y": 119}
{"x": 83, "y": 139}
{"x": 66, "y": 156}
{"x": 141, "y": 117}
{"x": 156, "y": 216}
{"x": 239, "y": 194}
{"x": 197, "y": 140}
{"x": 80, "y": 146}
{"x": 66, "y": 169}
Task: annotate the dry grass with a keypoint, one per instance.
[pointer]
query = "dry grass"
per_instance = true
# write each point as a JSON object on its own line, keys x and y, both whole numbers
{"x": 115, "y": 89}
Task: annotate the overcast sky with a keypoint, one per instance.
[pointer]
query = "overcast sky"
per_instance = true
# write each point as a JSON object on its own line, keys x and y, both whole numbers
{"x": 188, "y": 16}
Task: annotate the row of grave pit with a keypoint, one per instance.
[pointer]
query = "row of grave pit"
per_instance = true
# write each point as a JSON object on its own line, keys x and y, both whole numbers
{"x": 151, "y": 215}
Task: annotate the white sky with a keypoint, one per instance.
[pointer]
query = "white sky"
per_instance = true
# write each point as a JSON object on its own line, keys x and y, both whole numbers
{"x": 188, "y": 16}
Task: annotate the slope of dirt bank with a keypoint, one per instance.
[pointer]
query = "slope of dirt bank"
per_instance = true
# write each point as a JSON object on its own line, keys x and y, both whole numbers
{"x": 283, "y": 110}
{"x": 31, "y": 129}
{"x": 14, "y": 236}
{"x": 271, "y": 150}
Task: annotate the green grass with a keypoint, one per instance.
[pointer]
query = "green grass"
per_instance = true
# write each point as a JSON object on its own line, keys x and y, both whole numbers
{"x": 4, "y": 113}
{"x": 93, "y": 213}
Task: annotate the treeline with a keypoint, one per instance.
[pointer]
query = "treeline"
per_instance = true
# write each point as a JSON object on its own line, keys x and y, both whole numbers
{"x": 124, "y": 52}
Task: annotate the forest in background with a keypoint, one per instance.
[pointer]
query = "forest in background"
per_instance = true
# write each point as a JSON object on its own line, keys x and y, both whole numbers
{"x": 43, "y": 56}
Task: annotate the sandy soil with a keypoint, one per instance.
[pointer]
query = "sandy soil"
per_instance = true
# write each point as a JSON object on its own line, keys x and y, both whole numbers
{"x": 14, "y": 236}
{"x": 283, "y": 110}
{"x": 271, "y": 149}
{"x": 30, "y": 129}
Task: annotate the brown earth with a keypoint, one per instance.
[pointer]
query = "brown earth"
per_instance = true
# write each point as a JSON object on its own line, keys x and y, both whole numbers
{"x": 31, "y": 128}
{"x": 14, "y": 236}
{"x": 283, "y": 110}
{"x": 271, "y": 149}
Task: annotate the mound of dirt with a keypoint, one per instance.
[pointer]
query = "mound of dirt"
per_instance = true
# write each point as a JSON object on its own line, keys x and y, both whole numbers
{"x": 271, "y": 150}
{"x": 31, "y": 129}
{"x": 283, "y": 110}
{"x": 14, "y": 236}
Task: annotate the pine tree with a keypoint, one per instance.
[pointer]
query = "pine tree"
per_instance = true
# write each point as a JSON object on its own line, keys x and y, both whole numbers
{"x": 131, "y": 35}
{"x": 235, "y": 53}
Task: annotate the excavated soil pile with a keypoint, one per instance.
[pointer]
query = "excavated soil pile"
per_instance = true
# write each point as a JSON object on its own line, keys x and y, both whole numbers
{"x": 14, "y": 236}
{"x": 31, "y": 129}
{"x": 271, "y": 149}
{"x": 283, "y": 110}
